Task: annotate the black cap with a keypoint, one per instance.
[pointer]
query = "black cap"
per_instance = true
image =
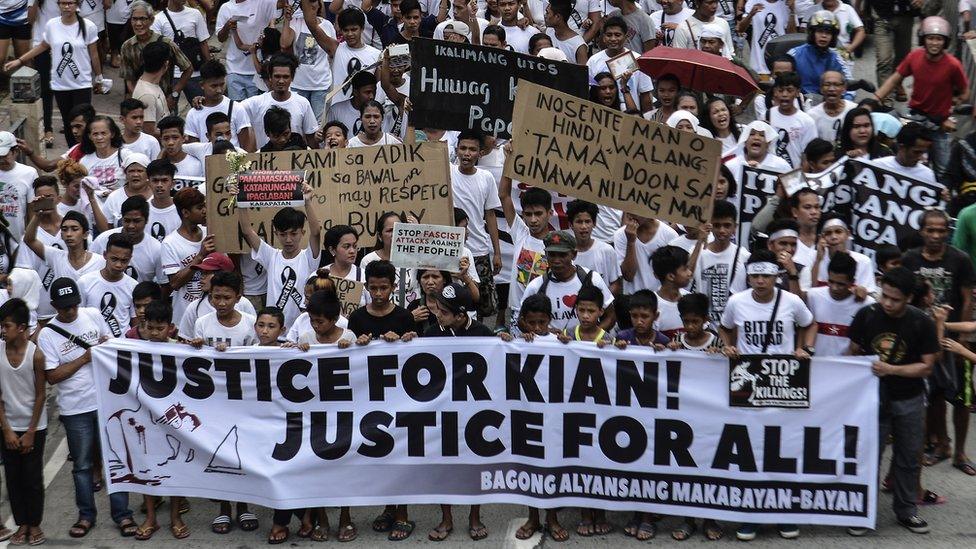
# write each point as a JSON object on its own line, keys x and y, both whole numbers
{"x": 455, "y": 298}
{"x": 64, "y": 293}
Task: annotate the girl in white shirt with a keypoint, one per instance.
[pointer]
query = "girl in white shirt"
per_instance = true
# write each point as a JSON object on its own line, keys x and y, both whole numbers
{"x": 371, "y": 115}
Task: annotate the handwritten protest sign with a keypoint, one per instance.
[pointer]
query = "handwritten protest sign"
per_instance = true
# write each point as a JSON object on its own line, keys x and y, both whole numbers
{"x": 350, "y": 294}
{"x": 350, "y": 187}
{"x": 463, "y": 86}
{"x": 416, "y": 246}
{"x": 270, "y": 189}
{"x": 594, "y": 153}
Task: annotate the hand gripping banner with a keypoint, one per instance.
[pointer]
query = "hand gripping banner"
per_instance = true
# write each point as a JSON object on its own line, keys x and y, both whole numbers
{"x": 437, "y": 421}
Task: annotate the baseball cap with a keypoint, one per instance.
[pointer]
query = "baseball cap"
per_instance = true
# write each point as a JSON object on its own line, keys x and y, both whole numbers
{"x": 135, "y": 158}
{"x": 455, "y": 298}
{"x": 64, "y": 293}
{"x": 7, "y": 142}
{"x": 560, "y": 241}
{"x": 216, "y": 261}
{"x": 458, "y": 27}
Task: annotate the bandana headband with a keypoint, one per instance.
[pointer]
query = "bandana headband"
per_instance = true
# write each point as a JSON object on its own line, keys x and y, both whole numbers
{"x": 783, "y": 233}
{"x": 834, "y": 222}
{"x": 762, "y": 268}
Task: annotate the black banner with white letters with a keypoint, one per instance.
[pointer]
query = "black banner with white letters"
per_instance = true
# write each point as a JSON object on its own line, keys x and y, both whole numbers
{"x": 769, "y": 381}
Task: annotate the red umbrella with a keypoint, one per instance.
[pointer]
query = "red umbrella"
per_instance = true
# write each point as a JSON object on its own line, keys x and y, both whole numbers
{"x": 698, "y": 70}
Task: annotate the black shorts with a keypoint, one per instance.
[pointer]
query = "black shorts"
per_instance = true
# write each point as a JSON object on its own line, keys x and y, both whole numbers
{"x": 117, "y": 35}
{"x": 17, "y": 32}
{"x": 958, "y": 390}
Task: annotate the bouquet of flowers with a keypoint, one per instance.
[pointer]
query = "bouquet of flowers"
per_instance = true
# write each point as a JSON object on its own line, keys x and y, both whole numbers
{"x": 238, "y": 164}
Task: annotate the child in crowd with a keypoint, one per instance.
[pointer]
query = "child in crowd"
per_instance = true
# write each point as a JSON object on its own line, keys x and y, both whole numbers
{"x": 643, "y": 314}
{"x": 269, "y": 326}
{"x": 589, "y": 309}
{"x": 142, "y": 295}
{"x": 323, "y": 315}
{"x": 696, "y": 335}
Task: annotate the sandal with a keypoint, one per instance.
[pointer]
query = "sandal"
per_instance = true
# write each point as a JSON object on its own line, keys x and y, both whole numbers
{"x": 128, "y": 528}
{"x": 145, "y": 533}
{"x": 247, "y": 521}
{"x": 304, "y": 532}
{"x": 478, "y": 531}
{"x": 439, "y": 533}
{"x": 6, "y": 533}
{"x": 931, "y": 498}
{"x": 220, "y": 525}
{"x": 401, "y": 530}
{"x": 630, "y": 529}
{"x": 965, "y": 467}
{"x": 80, "y": 529}
{"x": 184, "y": 506}
{"x": 929, "y": 460}
{"x": 280, "y": 537}
{"x": 557, "y": 533}
{"x": 384, "y": 522}
{"x": 319, "y": 533}
{"x": 684, "y": 531}
{"x": 585, "y": 528}
{"x": 600, "y": 525}
{"x": 179, "y": 532}
{"x": 36, "y": 539}
{"x": 646, "y": 531}
{"x": 347, "y": 533}
{"x": 48, "y": 140}
{"x": 526, "y": 531}
{"x": 713, "y": 530}
{"x": 17, "y": 538}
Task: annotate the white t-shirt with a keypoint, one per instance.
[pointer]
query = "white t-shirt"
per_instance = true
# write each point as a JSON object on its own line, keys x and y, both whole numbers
{"x": 213, "y": 332}
{"x": 918, "y": 171}
{"x": 113, "y": 300}
{"x": 176, "y": 253}
{"x": 310, "y": 337}
{"x": 314, "y": 67}
{"x": 607, "y": 222}
{"x": 145, "y": 144}
{"x": 303, "y": 119}
{"x": 644, "y": 278}
{"x": 93, "y": 11}
{"x": 518, "y": 38}
{"x": 562, "y": 297}
{"x": 752, "y": 320}
{"x": 162, "y": 222}
{"x": 638, "y": 83}
{"x": 196, "y": 120}
{"x": 253, "y": 17}
{"x": 347, "y": 62}
{"x": 833, "y": 320}
{"x": 828, "y": 127}
{"x": 475, "y": 194}
{"x": 45, "y": 12}
{"x": 771, "y": 162}
{"x": 668, "y": 319}
{"x": 188, "y": 21}
{"x": 568, "y": 46}
{"x": 303, "y": 324}
{"x": 766, "y": 25}
{"x": 201, "y": 308}
{"x": 659, "y": 19}
{"x": 28, "y": 259}
{"x": 795, "y": 132}
{"x": 387, "y": 139}
{"x": 286, "y": 277}
{"x": 70, "y": 62}
{"x": 864, "y": 276}
{"x": 119, "y": 13}
{"x": 191, "y": 165}
{"x": 528, "y": 262}
{"x": 112, "y": 207}
{"x": 601, "y": 258}
{"x": 850, "y": 21}
{"x": 16, "y": 190}
{"x": 76, "y": 395}
{"x": 108, "y": 171}
{"x": 688, "y": 34}
{"x": 713, "y": 274}
{"x": 57, "y": 259}
{"x": 145, "y": 264}
{"x": 581, "y": 11}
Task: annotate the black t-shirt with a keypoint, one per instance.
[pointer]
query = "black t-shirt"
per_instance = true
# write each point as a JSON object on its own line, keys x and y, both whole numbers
{"x": 474, "y": 329}
{"x": 425, "y": 325}
{"x": 948, "y": 276}
{"x": 914, "y": 333}
{"x": 399, "y": 321}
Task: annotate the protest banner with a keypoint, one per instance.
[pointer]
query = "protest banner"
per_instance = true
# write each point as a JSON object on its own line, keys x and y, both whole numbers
{"x": 350, "y": 293}
{"x": 820, "y": 182}
{"x": 757, "y": 186}
{"x": 478, "y": 420}
{"x": 270, "y": 189}
{"x": 777, "y": 381}
{"x": 181, "y": 182}
{"x": 886, "y": 207}
{"x": 352, "y": 187}
{"x": 462, "y": 86}
{"x": 417, "y": 246}
{"x": 594, "y": 153}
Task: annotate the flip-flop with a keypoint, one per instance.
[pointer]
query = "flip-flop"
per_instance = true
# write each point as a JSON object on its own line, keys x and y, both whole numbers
{"x": 931, "y": 498}
{"x": 602, "y": 528}
{"x": 247, "y": 522}
{"x": 630, "y": 529}
{"x": 281, "y": 537}
{"x": 6, "y": 533}
{"x": 478, "y": 533}
{"x": 145, "y": 534}
{"x": 401, "y": 527}
{"x": 384, "y": 522}
{"x": 966, "y": 467}
{"x": 934, "y": 459}
{"x": 646, "y": 527}
{"x": 220, "y": 524}
{"x": 585, "y": 528}
{"x": 36, "y": 539}
{"x": 343, "y": 536}
{"x": 18, "y": 538}
{"x": 560, "y": 535}
{"x": 319, "y": 533}
{"x": 713, "y": 531}
{"x": 439, "y": 533}
{"x": 684, "y": 531}
{"x": 179, "y": 532}
{"x": 128, "y": 528}
{"x": 524, "y": 533}
{"x": 80, "y": 529}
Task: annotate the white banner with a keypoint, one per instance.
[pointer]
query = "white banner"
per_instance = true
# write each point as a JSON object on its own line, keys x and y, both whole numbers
{"x": 438, "y": 421}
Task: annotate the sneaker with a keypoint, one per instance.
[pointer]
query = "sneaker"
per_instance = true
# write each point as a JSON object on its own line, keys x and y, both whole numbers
{"x": 747, "y": 532}
{"x": 915, "y": 524}
{"x": 857, "y": 531}
{"x": 788, "y": 531}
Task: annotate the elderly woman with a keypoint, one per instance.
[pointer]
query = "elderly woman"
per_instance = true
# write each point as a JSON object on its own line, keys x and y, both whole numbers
{"x": 141, "y": 18}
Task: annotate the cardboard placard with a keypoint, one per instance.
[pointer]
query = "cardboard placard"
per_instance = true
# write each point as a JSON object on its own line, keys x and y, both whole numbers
{"x": 462, "y": 86}
{"x": 581, "y": 149}
{"x": 270, "y": 189}
{"x": 349, "y": 187}
{"x": 350, "y": 294}
{"x": 416, "y": 246}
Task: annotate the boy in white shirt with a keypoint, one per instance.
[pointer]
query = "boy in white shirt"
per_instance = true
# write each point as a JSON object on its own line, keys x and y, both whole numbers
{"x": 834, "y": 306}
{"x": 634, "y": 243}
{"x": 795, "y": 128}
{"x": 720, "y": 270}
{"x": 109, "y": 290}
{"x": 213, "y": 81}
{"x": 133, "y": 138}
{"x": 186, "y": 247}
{"x": 593, "y": 254}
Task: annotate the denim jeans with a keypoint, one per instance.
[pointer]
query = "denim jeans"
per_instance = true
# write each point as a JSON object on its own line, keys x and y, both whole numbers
{"x": 317, "y": 99}
{"x": 81, "y": 430}
{"x": 893, "y": 38}
{"x": 939, "y": 154}
{"x": 241, "y": 86}
{"x": 905, "y": 420}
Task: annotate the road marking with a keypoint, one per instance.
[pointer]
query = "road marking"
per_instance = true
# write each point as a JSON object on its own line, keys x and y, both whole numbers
{"x": 51, "y": 469}
{"x": 511, "y": 542}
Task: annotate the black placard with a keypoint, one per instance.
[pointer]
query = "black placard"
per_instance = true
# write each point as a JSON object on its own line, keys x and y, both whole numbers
{"x": 769, "y": 381}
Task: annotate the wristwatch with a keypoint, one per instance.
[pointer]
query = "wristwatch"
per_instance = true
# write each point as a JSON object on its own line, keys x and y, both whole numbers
{"x": 175, "y": 95}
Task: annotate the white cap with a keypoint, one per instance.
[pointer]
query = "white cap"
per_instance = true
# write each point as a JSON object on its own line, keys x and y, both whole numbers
{"x": 711, "y": 30}
{"x": 552, "y": 54}
{"x": 7, "y": 142}
{"x": 135, "y": 158}
{"x": 457, "y": 27}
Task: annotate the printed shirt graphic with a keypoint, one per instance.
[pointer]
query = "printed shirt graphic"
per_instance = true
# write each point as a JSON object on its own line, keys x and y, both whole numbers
{"x": 70, "y": 63}
{"x": 113, "y": 300}
{"x": 286, "y": 278}
{"x": 715, "y": 278}
{"x": 528, "y": 260}
{"x": 314, "y": 66}
{"x": 766, "y": 25}
{"x": 177, "y": 253}
{"x": 833, "y": 320}
{"x": 753, "y": 322}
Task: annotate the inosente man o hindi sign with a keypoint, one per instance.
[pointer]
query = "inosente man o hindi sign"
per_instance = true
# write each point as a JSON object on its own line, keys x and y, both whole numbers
{"x": 352, "y": 187}
{"x": 581, "y": 149}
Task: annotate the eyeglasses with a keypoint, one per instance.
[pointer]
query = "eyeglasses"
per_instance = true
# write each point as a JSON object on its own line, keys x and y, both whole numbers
{"x": 139, "y": 19}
